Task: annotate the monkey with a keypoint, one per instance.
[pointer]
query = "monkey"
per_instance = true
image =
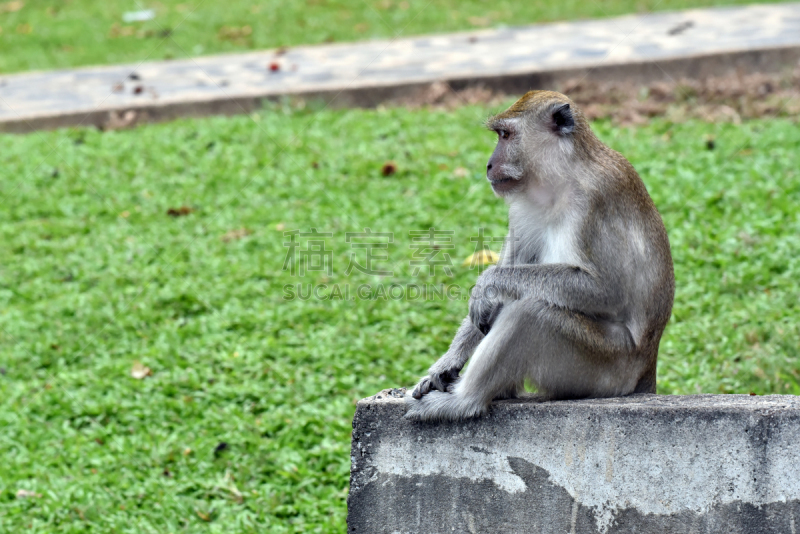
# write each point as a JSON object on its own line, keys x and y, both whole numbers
{"x": 584, "y": 284}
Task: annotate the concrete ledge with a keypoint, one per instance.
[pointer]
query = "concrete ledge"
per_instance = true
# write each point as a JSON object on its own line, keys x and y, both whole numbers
{"x": 640, "y": 464}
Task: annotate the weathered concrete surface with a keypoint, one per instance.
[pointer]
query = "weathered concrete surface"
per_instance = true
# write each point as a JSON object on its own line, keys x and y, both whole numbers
{"x": 695, "y": 43}
{"x": 645, "y": 464}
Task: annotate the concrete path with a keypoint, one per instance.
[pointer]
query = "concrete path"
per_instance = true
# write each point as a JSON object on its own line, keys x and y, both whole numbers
{"x": 692, "y": 43}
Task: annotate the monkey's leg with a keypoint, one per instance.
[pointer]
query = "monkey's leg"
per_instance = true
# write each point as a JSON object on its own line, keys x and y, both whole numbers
{"x": 577, "y": 356}
{"x": 564, "y": 353}
{"x": 489, "y": 375}
{"x": 511, "y": 392}
{"x": 445, "y": 371}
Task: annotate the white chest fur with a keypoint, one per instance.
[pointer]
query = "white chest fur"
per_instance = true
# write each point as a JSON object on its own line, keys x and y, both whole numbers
{"x": 558, "y": 244}
{"x": 537, "y": 233}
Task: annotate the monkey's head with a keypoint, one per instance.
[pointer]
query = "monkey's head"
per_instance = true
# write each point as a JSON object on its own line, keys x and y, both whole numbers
{"x": 536, "y": 139}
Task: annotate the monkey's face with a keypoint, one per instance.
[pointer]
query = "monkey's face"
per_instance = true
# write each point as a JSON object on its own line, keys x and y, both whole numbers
{"x": 503, "y": 170}
{"x": 533, "y": 137}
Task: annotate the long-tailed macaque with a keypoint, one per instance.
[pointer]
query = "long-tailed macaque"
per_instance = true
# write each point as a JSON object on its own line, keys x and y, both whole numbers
{"x": 584, "y": 286}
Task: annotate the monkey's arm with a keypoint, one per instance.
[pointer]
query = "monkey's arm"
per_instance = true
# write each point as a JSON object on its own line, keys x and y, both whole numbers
{"x": 563, "y": 285}
{"x": 445, "y": 370}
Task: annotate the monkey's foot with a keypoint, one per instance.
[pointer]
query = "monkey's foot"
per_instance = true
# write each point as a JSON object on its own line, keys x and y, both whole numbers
{"x": 436, "y": 382}
{"x": 506, "y": 395}
{"x": 511, "y": 392}
{"x": 440, "y": 406}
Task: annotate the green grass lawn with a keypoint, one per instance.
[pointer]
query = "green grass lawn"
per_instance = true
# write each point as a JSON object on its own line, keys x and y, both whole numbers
{"x": 45, "y": 34}
{"x": 244, "y": 425}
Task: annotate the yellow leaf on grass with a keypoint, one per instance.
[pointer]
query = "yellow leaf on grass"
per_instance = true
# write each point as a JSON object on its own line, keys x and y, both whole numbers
{"x": 139, "y": 371}
{"x": 236, "y": 234}
{"x": 11, "y": 7}
{"x": 482, "y": 257}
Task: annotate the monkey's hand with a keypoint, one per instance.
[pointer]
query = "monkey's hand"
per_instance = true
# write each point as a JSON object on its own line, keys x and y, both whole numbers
{"x": 443, "y": 374}
{"x": 485, "y": 304}
{"x": 440, "y": 381}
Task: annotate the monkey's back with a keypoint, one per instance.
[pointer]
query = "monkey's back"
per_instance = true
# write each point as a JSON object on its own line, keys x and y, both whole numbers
{"x": 632, "y": 240}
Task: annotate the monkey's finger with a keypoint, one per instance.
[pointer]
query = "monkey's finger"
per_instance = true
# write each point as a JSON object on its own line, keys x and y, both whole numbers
{"x": 422, "y": 388}
{"x": 442, "y": 380}
{"x": 425, "y": 387}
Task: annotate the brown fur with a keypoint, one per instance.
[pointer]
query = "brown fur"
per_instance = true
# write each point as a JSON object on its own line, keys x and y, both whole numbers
{"x": 578, "y": 305}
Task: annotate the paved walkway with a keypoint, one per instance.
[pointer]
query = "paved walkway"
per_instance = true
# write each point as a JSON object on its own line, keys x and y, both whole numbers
{"x": 669, "y": 44}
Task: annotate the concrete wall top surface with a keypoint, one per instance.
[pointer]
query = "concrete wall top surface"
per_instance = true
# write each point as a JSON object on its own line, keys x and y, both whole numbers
{"x": 643, "y": 463}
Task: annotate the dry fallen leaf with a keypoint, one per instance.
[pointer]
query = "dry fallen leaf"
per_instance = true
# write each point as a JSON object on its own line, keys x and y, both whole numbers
{"x": 120, "y": 31}
{"x": 204, "y": 516}
{"x": 482, "y": 257}
{"x": 236, "y": 234}
{"x": 11, "y": 7}
{"x": 140, "y": 371}
{"x": 460, "y": 172}
{"x": 179, "y": 212}
{"x": 27, "y": 494}
{"x": 233, "y": 33}
{"x": 280, "y": 227}
{"x": 389, "y": 168}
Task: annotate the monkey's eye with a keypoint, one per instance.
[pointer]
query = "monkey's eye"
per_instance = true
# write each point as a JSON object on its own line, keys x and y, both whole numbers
{"x": 504, "y": 134}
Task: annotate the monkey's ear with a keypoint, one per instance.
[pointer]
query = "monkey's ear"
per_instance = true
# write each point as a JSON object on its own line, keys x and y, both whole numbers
{"x": 563, "y": 121}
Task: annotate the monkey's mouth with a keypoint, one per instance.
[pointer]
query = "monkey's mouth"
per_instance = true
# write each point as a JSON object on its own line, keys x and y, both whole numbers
{"x": 503, "y": 184}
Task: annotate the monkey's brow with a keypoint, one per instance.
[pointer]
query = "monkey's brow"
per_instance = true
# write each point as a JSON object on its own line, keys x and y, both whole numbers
{"x": 499, "y": 123}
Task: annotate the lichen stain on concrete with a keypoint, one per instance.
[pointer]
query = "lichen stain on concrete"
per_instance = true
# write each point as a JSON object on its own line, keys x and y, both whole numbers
{"x": 543, "y": 507}
{"x": 474, "y": 463}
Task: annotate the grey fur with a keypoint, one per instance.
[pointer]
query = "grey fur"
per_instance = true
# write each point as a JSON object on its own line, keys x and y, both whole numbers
{"x": 584, "y": 286}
